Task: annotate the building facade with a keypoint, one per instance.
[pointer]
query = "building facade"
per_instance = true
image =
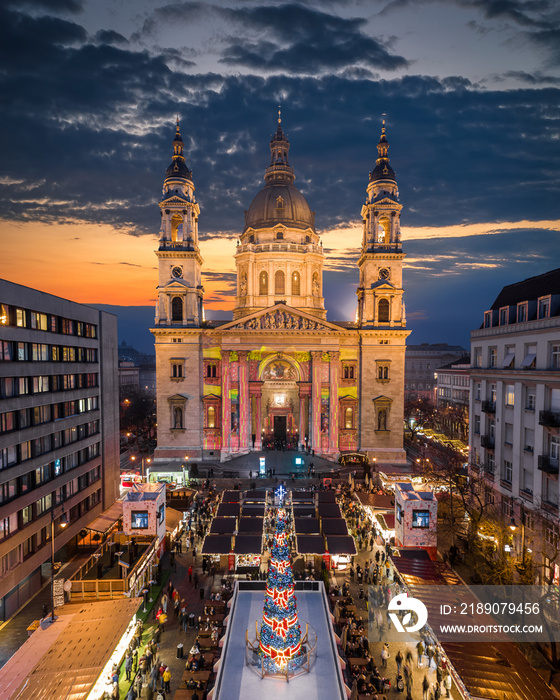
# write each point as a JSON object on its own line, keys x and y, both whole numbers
{"x": 422, "y": 361}
{"x": 514, "y": 434}
{"x": 59, "y": 440}
{"x": 453, "y": 397}
{"x": 280, "y": 373}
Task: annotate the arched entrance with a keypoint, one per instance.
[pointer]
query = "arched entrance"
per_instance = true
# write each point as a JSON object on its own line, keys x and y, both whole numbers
{"x": 280, "y": 396}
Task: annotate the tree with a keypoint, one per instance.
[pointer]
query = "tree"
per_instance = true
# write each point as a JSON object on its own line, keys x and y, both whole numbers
{"x": 418, "y": 413}
{"x": 138, "y": 412}
{"x": 280, "y": 636}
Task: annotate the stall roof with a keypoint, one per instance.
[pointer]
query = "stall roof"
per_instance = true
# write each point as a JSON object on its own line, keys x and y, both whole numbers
{"x": 108, "y": 518}
{"x": 309, "y": 526}
{"x": 254, "y": 511}
{"x": 341, "y": 544}
{"x": 223, "y": 526}
{"x": 327, "y": 497}
{"x": 417, "y": 569}
{"x": 231, "y": 496}
{"x": 310, "y": 544}
{"x": 52, "y": 663}
{"x": 255, "y": 496}
{"x": 381, "y": 501}
{"x": 329, "y": 510}
{"x": 303, "y": 511}
{"x": 303, "y": 496}
{"x": 386, "y": 520}
{"x": 228, "y": 510}
{"x": 248, "y": 544}
{"x": 172, "y": 519}
{"x": 334, "y": 526}
{"x": 250, "y": 525}
{"x": 216, "y": 544}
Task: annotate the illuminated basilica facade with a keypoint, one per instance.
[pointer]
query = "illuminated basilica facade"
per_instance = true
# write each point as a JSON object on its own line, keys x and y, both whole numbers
{"x": 279, "y": 373}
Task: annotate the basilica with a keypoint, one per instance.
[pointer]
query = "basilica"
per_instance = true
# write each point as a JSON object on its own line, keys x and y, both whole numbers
{"x": 280, "y": 374}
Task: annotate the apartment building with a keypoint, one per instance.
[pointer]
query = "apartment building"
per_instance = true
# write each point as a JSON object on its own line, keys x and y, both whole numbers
{"x": 514, "y": 434}
{"x": 59, "y": 441}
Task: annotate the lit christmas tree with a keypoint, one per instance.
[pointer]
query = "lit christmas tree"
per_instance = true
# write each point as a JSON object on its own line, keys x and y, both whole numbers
{"x": 280, "y": 638}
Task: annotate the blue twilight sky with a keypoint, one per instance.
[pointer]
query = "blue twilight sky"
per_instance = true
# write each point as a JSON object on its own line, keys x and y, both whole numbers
{"x": 90, "y": 90}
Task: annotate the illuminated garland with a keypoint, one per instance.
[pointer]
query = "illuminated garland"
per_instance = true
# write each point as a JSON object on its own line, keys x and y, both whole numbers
{"x": 280, "y": 637}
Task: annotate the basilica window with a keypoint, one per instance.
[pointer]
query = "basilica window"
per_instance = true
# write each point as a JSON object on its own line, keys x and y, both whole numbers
{"x": 211, "y": 417}
{"x": 279, "y": 203}
{"x": 177, "y": 369}
{"x": 279, "y": 282}
{"x": 211, "y": 370}
{"x": 382, "y": 371}
{"x": 263, "y": 282}
{"x": 383, "y": 310}
{"x": 348, "y": 418}
{"x": 279, "y": 235}
{"x": 176, "y": 309}
{"x": 348, "y": 372}
{"x": 296, "y": 290}
{"x": 384, "y": 231}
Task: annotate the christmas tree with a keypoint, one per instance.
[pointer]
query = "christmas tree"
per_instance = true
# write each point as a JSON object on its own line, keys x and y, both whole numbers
{"x": 280, "y": 638}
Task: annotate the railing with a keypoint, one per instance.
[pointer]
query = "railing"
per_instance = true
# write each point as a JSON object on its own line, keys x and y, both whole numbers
{"x": 547, "y": 464}
{"x": 98, "y": 589}
{"x": 489, "y": 469}
{"x": 286, "y": 247}
{"x": 489, "y": 406}
{"x": 176, "y": 245}
{"x": 549, "y": 419}
{"x": 487, "y": 441}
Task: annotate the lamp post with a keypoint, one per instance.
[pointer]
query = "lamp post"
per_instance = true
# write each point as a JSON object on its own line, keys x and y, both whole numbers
{"x": 63, "y": 524}
{"x": 513, "y": 528}
{"x": 148, "y": 460}
{"x": 183, "y": 468}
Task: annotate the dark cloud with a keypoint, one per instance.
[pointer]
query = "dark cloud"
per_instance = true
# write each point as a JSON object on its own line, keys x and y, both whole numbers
{"x": 73, "y": 6}
{"x": 300, "y": 39}
{"x": 108, "y": 36}
{"x": 536, "y": 78}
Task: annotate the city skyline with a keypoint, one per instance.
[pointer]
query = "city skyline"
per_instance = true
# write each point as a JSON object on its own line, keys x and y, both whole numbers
{"x": 470, "y": 91}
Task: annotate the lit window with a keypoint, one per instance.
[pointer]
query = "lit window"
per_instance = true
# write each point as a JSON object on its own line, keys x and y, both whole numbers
{"x": 296, "y": 284}
{"x": 421, "y": 518}
{"x": 279, "y": 282}
{"x": 348, "y": 418}
{"x": 263, "y": 283}
{"x": 211, "y": 421}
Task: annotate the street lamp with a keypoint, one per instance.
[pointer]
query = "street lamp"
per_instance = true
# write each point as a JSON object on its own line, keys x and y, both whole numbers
{"x": 148, "y": 460}
{"x": 183, "y": 468}
{"x": 63, "y": 524}
{"x": 513, "y": 528}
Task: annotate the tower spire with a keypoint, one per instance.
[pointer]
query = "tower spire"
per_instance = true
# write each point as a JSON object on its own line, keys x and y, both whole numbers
{"x": 279, "y": 169}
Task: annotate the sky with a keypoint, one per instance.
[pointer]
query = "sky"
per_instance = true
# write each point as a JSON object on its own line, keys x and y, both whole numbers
{"x": 90, "y": 91}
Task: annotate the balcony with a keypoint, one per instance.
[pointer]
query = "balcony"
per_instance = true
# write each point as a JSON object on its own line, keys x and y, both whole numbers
{"x": 489, "y": 407}
{"x": 549, "y": 419}
{"x": 547, "y": 464}
{"x": 487, "y": 441}
{"x": 489, "y": 469}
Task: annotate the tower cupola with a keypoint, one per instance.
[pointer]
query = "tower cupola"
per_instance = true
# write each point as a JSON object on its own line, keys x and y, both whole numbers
{"x": 279, "y": 169}
{"x": 178, "y": 167}
{"x": 382, "y": 170}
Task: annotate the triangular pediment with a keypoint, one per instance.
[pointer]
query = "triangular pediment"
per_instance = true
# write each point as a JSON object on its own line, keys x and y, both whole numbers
{"x": 179, "y": 285}
{"x": 383, "y": 284}
{"x": 280, "y": 317}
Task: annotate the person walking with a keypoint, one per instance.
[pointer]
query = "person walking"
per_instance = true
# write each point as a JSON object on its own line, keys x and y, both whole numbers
{"x": 399, "y": 660}
{"x": 447, "y": 683}
{"x": 167, "y": 680}
{"x": 425, "y": 688}
{"x": 164, "y": 600}
{"x": 138, "y": 685}
{"x": 420, "y": 652}
{"x": 384, "y": 655}
{"x": 430, "y": 651}
{"x": 195, "y": 578}
{"x": 128, "y": 665}
{"x": 189, "y": 572}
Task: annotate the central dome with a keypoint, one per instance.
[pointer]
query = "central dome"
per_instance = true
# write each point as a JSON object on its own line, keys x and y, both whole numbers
{"x": 279, "y": 203}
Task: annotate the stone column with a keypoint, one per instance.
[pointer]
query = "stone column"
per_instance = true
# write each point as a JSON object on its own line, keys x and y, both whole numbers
{"x": 316, "y": 380}
{"x": 333, "y": 401}
{"x": 244, "y": 403}
{"x": 226, "y": 403}
{"x": 255, "y": 389}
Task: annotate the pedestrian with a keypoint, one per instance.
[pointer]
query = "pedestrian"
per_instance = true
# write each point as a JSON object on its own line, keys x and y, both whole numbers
{"x": 167, "y": 680}
{"x": 134, "y": 659}
{"x": 138, "y": 685}
{"x": 439, "y": 676}
{"x": 399, "y": 660}
{"x": 195, "y": 577}
{"x": 425, "y": 688}
{"x": 384, "y": 655}
{"x": 161, "y": 672}
{"x": 420, "y": 652}
{"x": 128, "y": 665}
{"x": 409, "y": 657}
{"x": 190, "y": 574}
{"x": 164, "y": 600}
{"x": 131, "y": 695}
{"x": 430, "y": 651}
{"x": 447, "y": 683}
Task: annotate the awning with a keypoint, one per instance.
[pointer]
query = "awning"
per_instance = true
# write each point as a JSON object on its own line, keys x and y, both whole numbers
{"x": 248, "y": 544}
{"x": 386, "y": 520}
{"x": 108, "y": 518}
{"x": 310, "y": 544}
{"x": 327, "y": 497}
{"x": 231, "y": 496}
{"x": 255, "y": 496}
{"x": 380, "y": 501}
{"x": 528, "y": 360}
{"x": 508, "y": 359}
{"x": 223, "y": 526}
{"x": 309, "y": 526}
{"x": 334, "y": 526}
{"x": 337, "y": 544}
{"x": 216, "y": 544}
{"x": 172, "y": 519}
{"x": 303, "y": 511}
{"x": 303, "y": 496}
{"x": 252, "y": 511}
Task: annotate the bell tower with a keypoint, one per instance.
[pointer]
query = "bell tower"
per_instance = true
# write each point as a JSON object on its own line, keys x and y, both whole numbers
{"x": 380, "y": 293}
{"x": 180, "y": 291}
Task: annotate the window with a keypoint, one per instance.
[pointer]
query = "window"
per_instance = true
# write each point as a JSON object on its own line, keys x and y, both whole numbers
{"x": 21, "y": 318}
{"x": 510, "y": 395}
{"x": 527, "y": 482}
{"x": 478, "y": 391}
{"x": 492, "y": 357}
{"x": 176, "y": 369}
{"x": 508, "y": 433}
{"x": 507, "y": 506}
{"x": 279, "y": 282}
{"x": 279, "y": 235}
{"x": 263, "y": 282}
{"x": 176, "y": 309}
{"x": 531, "y": 400}
{"x": 4, "y": 315}
{"x": 211, "y": 417}
{"x": 37, "y": 320}
{"x": 211, "y": 371}
{"x": 161, "y": 514}
{"x": 139, "y": 519}
{"x": 382, "y": 372}
{"x": 348, "y": 371}
{"x": 477, "y": 425}
{"x": 521, "y": 312}
{"x": 478, "y": 357}
{"x": 507, "y": 471}
{"x": 421, "y": 518}
{"x": 530, "y": 359}
{"x": 493, "y": 393}
{"x": 504, "y": 316}
{"x": 544, "y": 307}
{"x": 296, "y": 284}
{"x": 529, "y": 440}
{"x": 487, "y": 319}
{"x": 509, "y": 357}
{"x": 383, "y": 310}
{"x": 400, "y": 514}
{"x": 348, "y": 418}
{"x": 555, "y": 356}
